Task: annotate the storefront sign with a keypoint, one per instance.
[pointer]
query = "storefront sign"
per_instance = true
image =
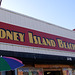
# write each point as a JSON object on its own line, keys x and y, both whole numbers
{"x": 28, "y": 37}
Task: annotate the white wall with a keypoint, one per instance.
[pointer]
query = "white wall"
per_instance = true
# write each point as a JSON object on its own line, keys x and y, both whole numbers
{"x": 28, "y": 22}
{"x": 31, "y": 23}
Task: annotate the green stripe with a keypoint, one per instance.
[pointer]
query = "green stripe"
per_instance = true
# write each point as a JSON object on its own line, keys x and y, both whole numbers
{"x": 4, "y": 66}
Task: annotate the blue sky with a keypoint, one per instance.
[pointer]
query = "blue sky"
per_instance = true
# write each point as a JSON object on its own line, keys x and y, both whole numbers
{"x": 58, "y": 12}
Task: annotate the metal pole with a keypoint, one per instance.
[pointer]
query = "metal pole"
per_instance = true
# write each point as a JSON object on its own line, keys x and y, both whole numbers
{"x": 0, "y": 2}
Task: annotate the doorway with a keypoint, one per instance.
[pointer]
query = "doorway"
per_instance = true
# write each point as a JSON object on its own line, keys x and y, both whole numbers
{"x": 52, "y": 73}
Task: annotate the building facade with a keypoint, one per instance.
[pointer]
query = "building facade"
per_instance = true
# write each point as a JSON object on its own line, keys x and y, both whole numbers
{"x": 44, "y": 48}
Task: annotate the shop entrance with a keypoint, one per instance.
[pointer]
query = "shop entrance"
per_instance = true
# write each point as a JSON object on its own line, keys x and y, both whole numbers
{"x": 52, "y": 73}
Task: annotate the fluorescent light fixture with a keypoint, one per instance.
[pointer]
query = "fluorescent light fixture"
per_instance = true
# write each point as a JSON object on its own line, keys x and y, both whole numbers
{"x": 48, "y": 72}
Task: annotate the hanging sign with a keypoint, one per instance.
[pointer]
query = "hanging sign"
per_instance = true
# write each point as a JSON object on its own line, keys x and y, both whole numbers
{"x": 28, "y": 37}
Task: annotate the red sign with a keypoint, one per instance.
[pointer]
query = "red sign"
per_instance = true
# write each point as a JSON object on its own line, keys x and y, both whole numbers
{"x": 28, "y": 37}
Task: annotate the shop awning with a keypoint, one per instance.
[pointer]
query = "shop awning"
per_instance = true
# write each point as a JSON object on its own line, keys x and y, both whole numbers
{"x": 39, "y": 58}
